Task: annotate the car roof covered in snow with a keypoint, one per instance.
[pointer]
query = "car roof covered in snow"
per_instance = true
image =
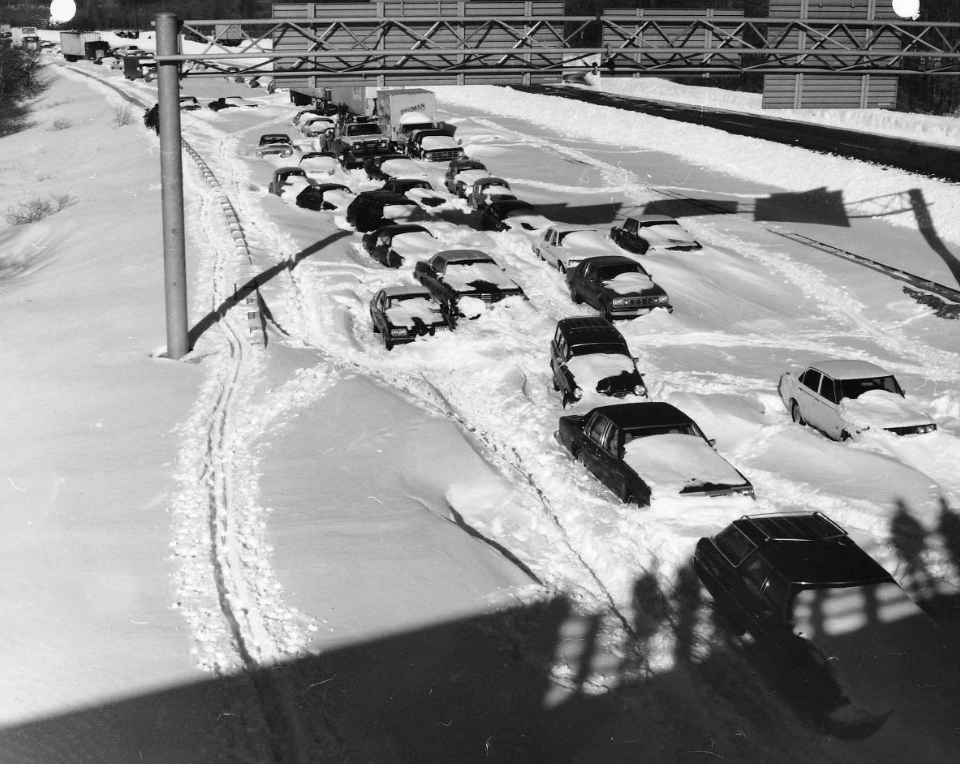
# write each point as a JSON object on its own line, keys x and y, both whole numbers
{"x": 849, "y": 369}
{"x": 645, "y": 414}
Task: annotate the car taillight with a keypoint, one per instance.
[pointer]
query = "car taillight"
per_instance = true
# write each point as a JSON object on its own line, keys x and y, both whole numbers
{"x": 398, "y": 332}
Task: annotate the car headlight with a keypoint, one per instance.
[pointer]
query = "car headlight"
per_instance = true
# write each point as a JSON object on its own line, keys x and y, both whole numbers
{"x": 619, "y": 301}
{"x": 925, "y": 428}
{"x": 661, "y": 299}
{"x": 577, "y": 393}
{"x": 401, "y": 332}
{"x": 640, "y": 390}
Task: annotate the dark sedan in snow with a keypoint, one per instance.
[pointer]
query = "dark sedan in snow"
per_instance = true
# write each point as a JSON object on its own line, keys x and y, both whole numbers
{"x": 511, "y": 215}
{"x": 464, "y": 281}
{"x": 617, "y": 286}
{"x": 648, "y": 450}
{"x": 289, "y": 179}
{"x": 653, "y": 233}
{"x": 401, "y": 314}
{"x": 415, "y": 188}
{"x": 589, "y": 356}
{"x": 275, "y": 144}
{"x": 325, "y": 196}
{"x": 371, "y": 210}
{"x": 394, "y": 245}
{"x": 452, "y": 179}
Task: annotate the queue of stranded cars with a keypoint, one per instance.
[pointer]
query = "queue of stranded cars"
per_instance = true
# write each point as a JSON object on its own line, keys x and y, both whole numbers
{"x": 760, "y": 569}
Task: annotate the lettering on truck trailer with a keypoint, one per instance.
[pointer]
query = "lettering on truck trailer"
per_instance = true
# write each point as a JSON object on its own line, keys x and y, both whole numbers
{"x": 418, "y": 107}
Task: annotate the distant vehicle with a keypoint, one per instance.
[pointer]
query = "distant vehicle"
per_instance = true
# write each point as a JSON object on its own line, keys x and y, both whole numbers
{"x": 325, "y": 197}
{"x": 843, "y": 398}
{"x": 303, "y": 114}
{"x": 464, "y": 281}
{"x": 77, "y": 45}
{"x": 653, "y": 232}
{"x": 395, "y": 245}
{"x": 617, "y": 286}
{"x": 565, "y": 246}
{"x": 319, "y": 164}
{"x": 415, "y": 188}
{"x": 399, "y": 112}
{"x": 648, "y": 450}
{"x": 389, "y": 166}
{"x": 278, "y": 144}
{"x": 288, "y": 176}
{"x": 240, "y": 102}
{"x": 488, "y": 189}
{"x": 589, "y": 356}
{"x": 401, "y": 314}
{"x": 800, "y": 585}
{"x": 189, "y": 103}
{"x": 124, "y": 50}
{"x": 463, "y": 166}
{"x": 512, "y": 215}
{"x": 220, "y": 104}
{"x": 434, "y": 144}
{"x": 314, "y": 126}
{"x": 374, "y": 209}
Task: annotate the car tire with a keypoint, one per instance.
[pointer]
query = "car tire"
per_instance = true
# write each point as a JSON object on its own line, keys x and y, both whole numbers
{"x": 387, "y": 342}
{"x": 844, "y": 436}
{"x": 562, "y": 268}
{"x": 796, "y": 415}
{"x": 605, "y": 311}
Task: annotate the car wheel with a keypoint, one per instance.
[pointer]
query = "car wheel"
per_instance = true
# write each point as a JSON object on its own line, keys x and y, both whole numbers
{"x": 387, "y": 342}
{"x": 844, "y": 436}
{"x": 562, "y": 268}
{"x": 795, "y": 413}
{"x": 575, "y": 296}
{"x": 605, "y": 311}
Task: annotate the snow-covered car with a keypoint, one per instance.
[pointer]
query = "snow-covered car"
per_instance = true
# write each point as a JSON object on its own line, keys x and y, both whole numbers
{"x": 417, "y": 189}
{"x": 289, "y": 181}
{"x": 318, "y": 164}
{"x": 316, "y": 125}
{"x": 325, "y": 197}
{"x": 371, "y": 210}
{"x": 189, "y": 103}
{"x": 801, "y": 586}
{"x": 219, "y": 104}
{"x": 843, "y": 398}
{"x": 617, "y": 286}
{"x": 275, "y": 144}
{"x": 487, "y": 189}
{"x": 465, "y": 281}
{"x": 434, "y": 145}
{"x": 401, "y": 314}
{"x": 389, "y": 166}
{"x": 565, "y": 246}
{"x": 462, "y": 171}
{"x": 512, "y": 215}
{"x": 654, "y": 233}
{"x": 589, "y": 356}
{"x": 394, "y": 245}
{"x": 649, "y": 450}
{"x": 240, "y": 102}
{"x": 353, "y": 141}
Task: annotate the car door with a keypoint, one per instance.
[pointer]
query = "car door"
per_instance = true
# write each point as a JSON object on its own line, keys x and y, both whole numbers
{"x": 808, "y": 395}
{"x": 594, "y": 436}
{"x": 589, "y": 287}
{"x": 558, "y": 354}
{"x": 828, "y": 412}
{"x": 610, "y": 467}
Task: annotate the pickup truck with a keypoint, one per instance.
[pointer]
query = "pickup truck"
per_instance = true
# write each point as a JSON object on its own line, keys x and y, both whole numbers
{"x": 642, "y": 451}
{"x": 355, "y": 140}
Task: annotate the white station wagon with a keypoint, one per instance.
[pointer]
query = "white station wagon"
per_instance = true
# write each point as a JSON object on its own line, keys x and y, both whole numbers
{"x": 844, "y": 398}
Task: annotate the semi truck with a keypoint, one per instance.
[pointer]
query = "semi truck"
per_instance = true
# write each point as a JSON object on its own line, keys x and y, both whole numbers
{"x": 77, "y": 45}
{"x": 25, "y": 37}
{"x": 400, "y": 112}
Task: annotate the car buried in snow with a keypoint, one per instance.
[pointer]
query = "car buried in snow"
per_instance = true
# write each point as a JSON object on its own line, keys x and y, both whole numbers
{"x": 417, "y": 189}
{"x": 391, "y": 166}
{"x": 588, "y": 355}
{"x": 462, "y": 171}
{"x": 512, "y": 215}
{"x": 287, "y": 180}
{"x": 315, "y": 125}
{"x": 465, "y": 281}
{"x": 402, "y": 314}
{"x": 324, "y": 197}
{"x": 653, "y": 233}
{"x": 318, "y": 164}
{"x": 275, "y": 144}
{"x": 189, "y": 103}
{"x": 395, "y": 245}
{"x": 649, "y": 450}
{"x": 844, "y": 398}
{"x": 617, "y": 286}
{"x": 563, "y": 246}
{"x": 371, "y": 210}
{"x": 802, "y": 587}
{"x": 488, "y": 189}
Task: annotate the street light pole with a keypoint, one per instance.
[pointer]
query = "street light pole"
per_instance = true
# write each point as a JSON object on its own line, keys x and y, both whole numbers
{"x": 171, "y": 186}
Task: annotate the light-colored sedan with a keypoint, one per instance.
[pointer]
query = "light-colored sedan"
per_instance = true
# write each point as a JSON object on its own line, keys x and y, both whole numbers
{"x": 565, "y": 246}
{"x": 843, "y": 398}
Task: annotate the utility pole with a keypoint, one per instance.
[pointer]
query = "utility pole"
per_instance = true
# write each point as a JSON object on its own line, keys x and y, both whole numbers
{"x": 171, "y": 186}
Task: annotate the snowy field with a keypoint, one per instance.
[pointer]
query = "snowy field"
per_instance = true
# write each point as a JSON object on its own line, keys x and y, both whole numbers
{"x": 282, "y": 553}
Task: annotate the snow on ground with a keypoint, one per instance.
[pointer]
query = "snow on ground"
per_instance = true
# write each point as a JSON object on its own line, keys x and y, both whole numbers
{"x": 248, "y": 508}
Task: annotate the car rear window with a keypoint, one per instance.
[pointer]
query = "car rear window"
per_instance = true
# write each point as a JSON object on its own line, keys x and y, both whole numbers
{"x": 734, "y": 545}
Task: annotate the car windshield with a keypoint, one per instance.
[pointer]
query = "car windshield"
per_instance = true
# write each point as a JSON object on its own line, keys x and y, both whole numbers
{"x": 362, "y": 129}
{"x": 610, "y": 272}
{"x": 274, "y": 139}
{"x": 598, "y": 347}
{"x": 651, "y": 223}
{"x": 854, "y": 388}
{"x": 660, "y": 429}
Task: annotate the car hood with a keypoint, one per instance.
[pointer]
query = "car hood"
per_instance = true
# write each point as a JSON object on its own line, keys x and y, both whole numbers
{"x": 673, "y": 464}
{"x": 325, "y": 166}
{"x": 667, "y": 236}
{"x": 399, "y": 211}
{"x": 438, "y": 143}
{"x": 402, "y": 168}
{"x": 415, "y": 245}
{"x": 478, "y": 277}
{"x": 877, "y": 409}
{"x": 616, "y": 369}
{"x": 417, "y": 310}
{"x": 629, "y": 283}
{"x": 469, "y": 177}
{"x": 339, "y": 198}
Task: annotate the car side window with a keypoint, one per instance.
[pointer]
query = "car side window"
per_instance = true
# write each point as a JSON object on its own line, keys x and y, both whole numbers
{"x": 611, "y": 440}
{"x": 755, "y": 574}
{"x": 811, "y": 379}
{"x": 734, "y": 545}
{"x": 630, "y": 225}
{"x": 596, "y": 429}
{"x": 561, "y": 346}
{"x": 828, "y": 389}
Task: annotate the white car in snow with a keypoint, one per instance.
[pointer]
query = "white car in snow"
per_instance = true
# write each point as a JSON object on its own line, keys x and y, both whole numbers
{"x": 843, "y": 398}
{"x": 565, "y": 246}
{"x": 653, "y": 233}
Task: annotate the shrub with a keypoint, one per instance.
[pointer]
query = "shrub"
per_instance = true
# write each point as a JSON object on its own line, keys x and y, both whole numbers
{"x": 60, "y": 124}
{"x": 34, "y": 210}
{"x": 122, "y": 115}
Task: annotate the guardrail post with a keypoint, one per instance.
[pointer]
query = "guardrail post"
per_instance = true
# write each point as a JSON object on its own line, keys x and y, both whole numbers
{"x": 171, "y": 186}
